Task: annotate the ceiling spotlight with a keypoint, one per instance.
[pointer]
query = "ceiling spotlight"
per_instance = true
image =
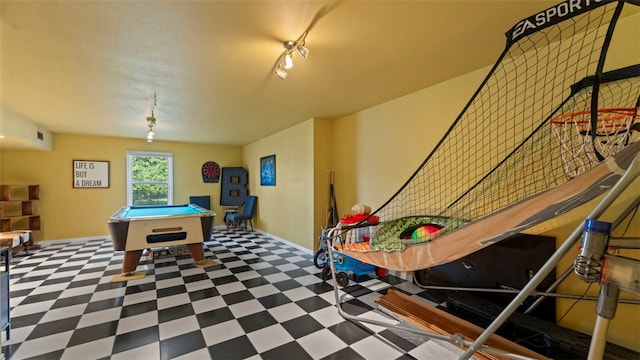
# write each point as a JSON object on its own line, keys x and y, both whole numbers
{"x": 285, "y": 61}
{"x": 288, "y": 61}
{"x": 281, "y": 73}
{"x": 302, "y": 50}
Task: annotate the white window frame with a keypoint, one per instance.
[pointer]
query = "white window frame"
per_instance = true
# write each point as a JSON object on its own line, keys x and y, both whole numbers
{"x": 131, "y": 154}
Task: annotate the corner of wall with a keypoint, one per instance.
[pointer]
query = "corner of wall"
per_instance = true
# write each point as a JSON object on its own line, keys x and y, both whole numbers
{"x": 22, "y": 133}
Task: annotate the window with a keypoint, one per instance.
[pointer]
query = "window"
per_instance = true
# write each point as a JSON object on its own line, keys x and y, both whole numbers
{"x": 149, "y": 178}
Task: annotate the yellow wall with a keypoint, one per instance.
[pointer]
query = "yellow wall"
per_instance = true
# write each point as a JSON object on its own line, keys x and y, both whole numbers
{"x": 625, "y": 47}
{"x": 285, "y": 210}
{"x": 373, "y": 152}
{"x": 71, "y": 213}
{"x": 625, "y": 327}
{"x": 322, "y": 165}
{"x": 376, "y": 150}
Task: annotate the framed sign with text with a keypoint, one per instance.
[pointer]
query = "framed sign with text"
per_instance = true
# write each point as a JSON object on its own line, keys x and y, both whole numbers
{"x": 90, "y": 174}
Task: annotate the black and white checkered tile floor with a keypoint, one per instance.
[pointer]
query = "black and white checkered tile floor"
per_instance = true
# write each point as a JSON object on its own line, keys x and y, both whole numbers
{"x": 264, "y": 300}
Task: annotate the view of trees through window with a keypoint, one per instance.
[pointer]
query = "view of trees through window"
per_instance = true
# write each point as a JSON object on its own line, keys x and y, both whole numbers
{"x": 150, "y": 179}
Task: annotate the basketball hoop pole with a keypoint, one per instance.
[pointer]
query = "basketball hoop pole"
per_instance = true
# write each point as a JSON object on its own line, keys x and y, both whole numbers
{"x": 627, "y": 178}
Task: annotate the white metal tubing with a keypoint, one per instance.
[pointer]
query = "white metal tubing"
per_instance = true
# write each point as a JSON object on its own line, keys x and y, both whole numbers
{"x": 456, "y": 339}
{"x": 551, "y": 288}
{"x": 621, "y": 272}
{"x": 627, "y": 178}
{"x": 598, "y": 339}
{"x": 623, "y": 243}
{"x": 605, "y": 311}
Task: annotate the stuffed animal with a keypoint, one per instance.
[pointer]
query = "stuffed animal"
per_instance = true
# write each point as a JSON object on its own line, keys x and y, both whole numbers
{"x": 358, "y": 209}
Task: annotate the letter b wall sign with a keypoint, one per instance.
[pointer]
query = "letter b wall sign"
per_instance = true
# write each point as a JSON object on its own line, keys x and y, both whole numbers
{"x": 233, "y": 189}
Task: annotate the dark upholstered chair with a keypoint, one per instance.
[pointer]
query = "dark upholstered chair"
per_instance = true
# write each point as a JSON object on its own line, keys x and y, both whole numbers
{"x": 202, "y": 201}
{"x": 247, "y": 213}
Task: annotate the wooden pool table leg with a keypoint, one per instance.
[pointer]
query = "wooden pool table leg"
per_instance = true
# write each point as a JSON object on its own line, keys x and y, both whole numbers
{"x": 131, "y": 260}
{"x": 197, "y": 252}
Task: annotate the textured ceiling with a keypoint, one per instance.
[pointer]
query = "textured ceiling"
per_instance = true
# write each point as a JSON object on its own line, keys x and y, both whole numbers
{"x": 92, "y": 67}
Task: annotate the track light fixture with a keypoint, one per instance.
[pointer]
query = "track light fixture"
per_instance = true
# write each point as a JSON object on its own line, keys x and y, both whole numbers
{"x": 151, "y": 121}
{"x": 285, "y": 61}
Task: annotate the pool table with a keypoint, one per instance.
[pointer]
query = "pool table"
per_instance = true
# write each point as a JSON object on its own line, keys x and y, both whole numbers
{"x": 135, "y": 228}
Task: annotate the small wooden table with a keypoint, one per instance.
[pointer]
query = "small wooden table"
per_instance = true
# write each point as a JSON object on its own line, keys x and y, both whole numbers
{"x": 16, "y": 238}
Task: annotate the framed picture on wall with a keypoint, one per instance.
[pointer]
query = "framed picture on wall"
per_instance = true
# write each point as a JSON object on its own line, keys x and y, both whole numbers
{"x": 268, "y": 170}
{"x": 90, "y": 174}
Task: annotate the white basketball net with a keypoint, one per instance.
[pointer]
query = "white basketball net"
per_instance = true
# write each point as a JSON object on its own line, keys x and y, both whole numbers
{"x": 577, "y": 144}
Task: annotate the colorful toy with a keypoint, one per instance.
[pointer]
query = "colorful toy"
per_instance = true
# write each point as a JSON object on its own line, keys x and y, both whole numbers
{"x": 425, "y": 231}
{"x": 345, "y": 265}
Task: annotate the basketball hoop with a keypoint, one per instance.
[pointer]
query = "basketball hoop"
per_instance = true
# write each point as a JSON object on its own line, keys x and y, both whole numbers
{"x": 580, "y": 148}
